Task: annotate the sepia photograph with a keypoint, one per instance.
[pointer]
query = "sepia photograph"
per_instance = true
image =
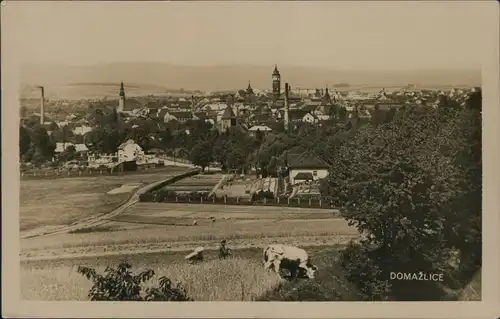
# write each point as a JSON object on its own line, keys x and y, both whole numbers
{"x": 253, "y": 152}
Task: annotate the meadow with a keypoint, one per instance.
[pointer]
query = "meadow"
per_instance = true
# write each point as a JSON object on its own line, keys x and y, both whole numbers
{"x": 53, "y": 202}
{"x": 157, "y": 227}
{"x": 241, "y": 277}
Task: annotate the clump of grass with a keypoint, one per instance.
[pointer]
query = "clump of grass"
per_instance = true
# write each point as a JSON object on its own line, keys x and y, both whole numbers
{"x": 234, "y": 279}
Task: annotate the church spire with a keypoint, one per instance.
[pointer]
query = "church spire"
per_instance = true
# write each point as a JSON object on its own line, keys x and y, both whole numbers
{"x": 249, "y": 88}
{"x": 276, "y": 72}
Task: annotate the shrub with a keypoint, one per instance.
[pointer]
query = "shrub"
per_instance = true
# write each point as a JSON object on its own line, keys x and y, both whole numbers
{"x": 360, "y": 267}
{"x": 301, "y": 290}
{"x": 121, "y": 285}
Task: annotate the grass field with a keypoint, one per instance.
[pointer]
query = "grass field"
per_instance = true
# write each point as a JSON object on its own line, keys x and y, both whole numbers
{"x": 239, "y": 278}
{"x": 62, "y": 201}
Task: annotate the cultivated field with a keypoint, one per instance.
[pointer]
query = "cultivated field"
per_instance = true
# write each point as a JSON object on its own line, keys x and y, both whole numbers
{"x": 50, "y": 202}
{"x": 239, "y": 278}
{"x": 242, "y": 188}
{"x": 196, "y": 183}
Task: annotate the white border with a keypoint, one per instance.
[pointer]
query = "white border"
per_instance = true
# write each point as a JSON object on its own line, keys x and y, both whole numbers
{"x": 13, "y": 307}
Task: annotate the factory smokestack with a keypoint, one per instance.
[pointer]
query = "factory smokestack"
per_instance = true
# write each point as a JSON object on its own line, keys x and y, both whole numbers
{"x": 42, "y": 105}
{"x": 286, "y": 107}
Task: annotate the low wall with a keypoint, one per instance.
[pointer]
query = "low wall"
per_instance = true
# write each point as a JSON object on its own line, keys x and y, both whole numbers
{"x": 161, "y": 197}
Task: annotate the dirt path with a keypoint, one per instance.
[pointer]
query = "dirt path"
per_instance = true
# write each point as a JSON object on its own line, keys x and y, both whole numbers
{"x": 95, "y": 220}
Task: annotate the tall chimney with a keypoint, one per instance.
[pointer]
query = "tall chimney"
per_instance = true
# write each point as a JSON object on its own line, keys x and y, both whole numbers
{"x": 42, "y": 105}
{"x": 286, "y": 107}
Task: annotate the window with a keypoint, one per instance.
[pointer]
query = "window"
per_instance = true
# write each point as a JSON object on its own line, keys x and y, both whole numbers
{"x": 315, "y": 173}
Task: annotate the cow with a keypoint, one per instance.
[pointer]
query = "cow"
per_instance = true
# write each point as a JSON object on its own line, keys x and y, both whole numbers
{"x": 294, "y": 259}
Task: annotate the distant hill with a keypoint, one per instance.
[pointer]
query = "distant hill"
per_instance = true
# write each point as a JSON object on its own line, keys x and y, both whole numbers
{"x": 159, "y": 76}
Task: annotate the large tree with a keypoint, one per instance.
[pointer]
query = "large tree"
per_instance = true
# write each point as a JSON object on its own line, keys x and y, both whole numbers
{"x": 42, "y": 144}
{"x": 413, "y": 187}
{"x": 398, "y": 184}
{"x": 201, "y": 155}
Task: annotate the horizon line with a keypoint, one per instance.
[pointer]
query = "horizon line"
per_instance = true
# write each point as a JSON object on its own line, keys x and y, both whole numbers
{"x": 271, "y": 66}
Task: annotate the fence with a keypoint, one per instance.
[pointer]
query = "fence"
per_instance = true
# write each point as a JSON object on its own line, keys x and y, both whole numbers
{"x": 90, "y": 172}
{"x": 175, "y": 159}
{"x": 225, "y": 200}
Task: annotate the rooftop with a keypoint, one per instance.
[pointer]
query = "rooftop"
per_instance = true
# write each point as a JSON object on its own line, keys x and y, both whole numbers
{"x": 228, "y": 113}
{"x": 305, "y": 160}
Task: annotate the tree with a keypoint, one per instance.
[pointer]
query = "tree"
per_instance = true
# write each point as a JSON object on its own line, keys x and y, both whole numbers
{"x": 376, "y": 119}
{"x": 121, "y": 284}
{"x": 201, "y": 155}
{"x": 105, "y": 140}
{"x": 41, "y": 142}
{"x": 53, "y": 126}
{"x": 258, "y": 135}
{"x": 398, "y": 185}
{"x": 464, "y": 227}
{"x": 342, "y": 114}
{"x": 24, "y": 140}
{"x": 63, "y": 134}
{"x": 68, "y": 154}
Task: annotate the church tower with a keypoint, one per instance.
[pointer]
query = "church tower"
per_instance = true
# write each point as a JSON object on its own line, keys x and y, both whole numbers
{"x": 121, "y": 103}
{"x": 276, "y": 83}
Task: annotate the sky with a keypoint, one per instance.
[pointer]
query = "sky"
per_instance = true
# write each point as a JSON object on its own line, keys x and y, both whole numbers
{"x": 353, "y": 35}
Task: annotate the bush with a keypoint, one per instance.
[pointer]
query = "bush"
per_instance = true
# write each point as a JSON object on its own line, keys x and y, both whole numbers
{"x": 361, "y": 268}
{"x": 305, "y": 290}
{"x": 121, "y": 285}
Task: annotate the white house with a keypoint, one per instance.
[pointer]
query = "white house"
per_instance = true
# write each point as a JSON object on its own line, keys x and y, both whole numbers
{"x": 129, "y": 151}
{"x": 262, "y": 128}
{"x": 304, "y": 167}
